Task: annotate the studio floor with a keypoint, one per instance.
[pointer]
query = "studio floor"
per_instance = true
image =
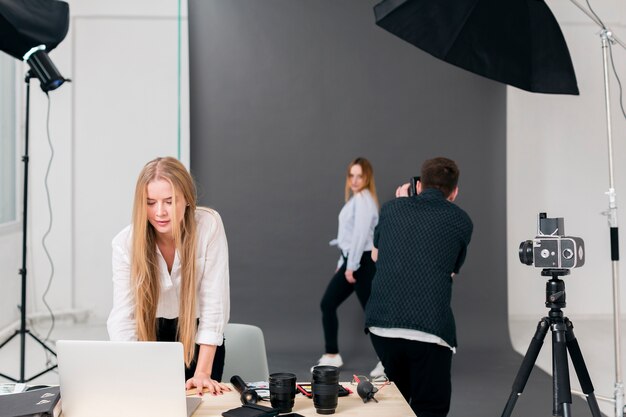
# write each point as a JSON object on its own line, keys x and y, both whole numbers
{"x": 481, "y": 378}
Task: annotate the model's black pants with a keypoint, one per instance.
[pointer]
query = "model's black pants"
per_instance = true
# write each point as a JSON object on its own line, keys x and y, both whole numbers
{"x": 338, "y": 291}
{"x": 166, "y": 332}
{"x": 420, "y": 370}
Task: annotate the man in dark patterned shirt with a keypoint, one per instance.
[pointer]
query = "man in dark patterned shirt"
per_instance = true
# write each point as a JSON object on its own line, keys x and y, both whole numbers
{"x": 420, "y": 242}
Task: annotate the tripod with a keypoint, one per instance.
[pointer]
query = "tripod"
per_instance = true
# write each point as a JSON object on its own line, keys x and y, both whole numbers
{"x": 563, "y": 340}
{"x": 23, "y": 331}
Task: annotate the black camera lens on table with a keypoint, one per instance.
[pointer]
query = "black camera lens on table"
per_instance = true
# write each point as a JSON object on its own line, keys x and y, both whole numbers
{"x": 325, "y": 385}
{"x": 282, "y": 391}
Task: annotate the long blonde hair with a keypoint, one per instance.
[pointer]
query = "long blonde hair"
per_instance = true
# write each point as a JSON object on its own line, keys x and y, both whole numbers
{"x": 144, "y": 263}
{"x": 368, "y": 175}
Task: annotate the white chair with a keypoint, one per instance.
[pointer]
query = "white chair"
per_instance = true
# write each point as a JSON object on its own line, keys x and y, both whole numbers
{"x": 245, "y": 353}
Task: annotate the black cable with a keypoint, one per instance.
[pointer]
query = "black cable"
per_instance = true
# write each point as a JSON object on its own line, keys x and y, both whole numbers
{"x": 594, "y": 13}
{"x": 619, "y": 83}
{"x": 43, "y": 240}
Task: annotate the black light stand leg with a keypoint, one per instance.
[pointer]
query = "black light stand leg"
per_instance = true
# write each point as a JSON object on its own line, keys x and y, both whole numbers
{"x": 16, "y": 333}
{"x": 23, "y": 331}
{"x": 560, "y": 372}
{"x": 527, "y": 365}
{"x": 581, "y": 369}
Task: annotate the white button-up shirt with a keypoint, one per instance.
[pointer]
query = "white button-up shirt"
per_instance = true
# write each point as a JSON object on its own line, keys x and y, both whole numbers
{"x": 357, "y": 221}
{"x": 212, "y": 280}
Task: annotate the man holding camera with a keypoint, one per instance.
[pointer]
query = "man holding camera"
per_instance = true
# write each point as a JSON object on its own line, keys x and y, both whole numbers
{"x": 420, "y": 242}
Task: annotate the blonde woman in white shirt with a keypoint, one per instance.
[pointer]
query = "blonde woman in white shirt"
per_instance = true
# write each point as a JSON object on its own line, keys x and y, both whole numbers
{"x": 170, "y": 273}
{"x": 355, "y": 268}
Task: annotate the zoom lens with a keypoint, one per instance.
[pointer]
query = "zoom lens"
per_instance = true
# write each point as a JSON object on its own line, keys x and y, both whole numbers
{"x": 325, "y": 385}
{"x": 282, "y": 391}
{"x": 526, "y": 252}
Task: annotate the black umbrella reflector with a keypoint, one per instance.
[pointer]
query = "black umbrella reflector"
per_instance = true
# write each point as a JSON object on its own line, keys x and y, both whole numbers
{"x": 516, "y": 42}
{"x": 29, "y": 28}
{"x": 25, "y": 24}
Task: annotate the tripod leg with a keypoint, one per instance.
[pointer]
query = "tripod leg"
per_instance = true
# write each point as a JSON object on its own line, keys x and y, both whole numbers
{"x": 560, "y": 372}
{"x": 13, "y": 336}
{"x": 17, "y": 332}
{"x": 527, "y": 365}
{"x": 41, "y": 343}
{"x": 22, "y": 334}
{"x": 581, "y": 368}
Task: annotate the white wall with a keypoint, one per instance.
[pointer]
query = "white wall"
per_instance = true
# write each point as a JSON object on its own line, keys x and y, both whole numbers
{"x": 557, "y": 162}
{"x": 119, "y": 112}
{"x": 11, "y": 248}
{"x": 10, "y": 282}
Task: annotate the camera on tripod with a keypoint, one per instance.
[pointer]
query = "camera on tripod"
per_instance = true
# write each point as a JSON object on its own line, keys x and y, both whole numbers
{"x": 551, "y": 248}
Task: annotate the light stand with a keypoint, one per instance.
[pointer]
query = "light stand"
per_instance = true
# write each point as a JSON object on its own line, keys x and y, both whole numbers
{"x": 28, "y": 29}
{"x": 607, "y": 36}
{"x": 22, "y": 332}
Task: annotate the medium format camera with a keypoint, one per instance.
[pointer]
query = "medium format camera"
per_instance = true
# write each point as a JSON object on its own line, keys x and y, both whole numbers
{"x": 551, "y": 248}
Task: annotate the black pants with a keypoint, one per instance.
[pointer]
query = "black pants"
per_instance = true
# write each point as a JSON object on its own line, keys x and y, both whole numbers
{"x": 338, "y": 291}
{"x": 420, "y": 370}
{"x": 166, "y": 332}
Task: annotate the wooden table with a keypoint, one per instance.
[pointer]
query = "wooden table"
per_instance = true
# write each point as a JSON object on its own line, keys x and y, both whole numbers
{"x": 390, "y": 403}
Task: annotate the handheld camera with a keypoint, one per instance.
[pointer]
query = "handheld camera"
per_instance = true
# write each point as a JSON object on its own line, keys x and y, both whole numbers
{"x": 413, "y": 186}
{"x": 551, "y": 248}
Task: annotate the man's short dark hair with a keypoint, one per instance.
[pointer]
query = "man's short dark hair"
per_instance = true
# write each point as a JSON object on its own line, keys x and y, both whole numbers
{"x": 440, "y": 173}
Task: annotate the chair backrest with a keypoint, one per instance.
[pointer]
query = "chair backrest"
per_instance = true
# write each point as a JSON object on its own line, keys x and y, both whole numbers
{"x": 245, "y": 353}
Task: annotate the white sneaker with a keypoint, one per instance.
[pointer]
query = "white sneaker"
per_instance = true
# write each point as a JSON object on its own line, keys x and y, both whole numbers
{"x": 379, "y": 370}
{"x": 327, "y": 360}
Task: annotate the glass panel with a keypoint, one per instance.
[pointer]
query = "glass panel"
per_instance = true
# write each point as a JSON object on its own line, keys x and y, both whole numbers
{"x": 7, "y": 139}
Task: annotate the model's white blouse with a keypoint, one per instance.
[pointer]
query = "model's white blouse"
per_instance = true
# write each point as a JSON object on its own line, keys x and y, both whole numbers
{"x": 213, "y": 299}
{"x": 357, "y": 221}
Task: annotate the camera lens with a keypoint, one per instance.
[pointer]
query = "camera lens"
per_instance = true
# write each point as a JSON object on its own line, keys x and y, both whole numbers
{"x": 526, "y": 252}
{"x": 325, "y": 384}
{"x": 282, "y": 391}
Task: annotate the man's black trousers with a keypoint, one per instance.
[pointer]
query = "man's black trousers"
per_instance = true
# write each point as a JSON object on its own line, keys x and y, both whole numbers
{"x": 420, "y": 370}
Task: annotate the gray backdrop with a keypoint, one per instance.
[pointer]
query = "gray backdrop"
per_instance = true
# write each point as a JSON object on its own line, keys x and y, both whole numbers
{"x": 284, "y": 94}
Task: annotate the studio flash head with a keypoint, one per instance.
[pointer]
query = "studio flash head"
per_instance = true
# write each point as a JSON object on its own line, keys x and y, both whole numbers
{"x": 551, "y": 248}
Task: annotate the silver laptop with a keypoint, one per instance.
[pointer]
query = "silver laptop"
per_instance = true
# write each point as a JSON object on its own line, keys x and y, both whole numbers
{"x": 134, "y": 379}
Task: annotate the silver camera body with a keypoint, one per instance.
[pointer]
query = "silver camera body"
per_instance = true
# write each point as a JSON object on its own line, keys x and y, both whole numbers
{"x": 558, "y": 252}
{"x": 550, "y": 248}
